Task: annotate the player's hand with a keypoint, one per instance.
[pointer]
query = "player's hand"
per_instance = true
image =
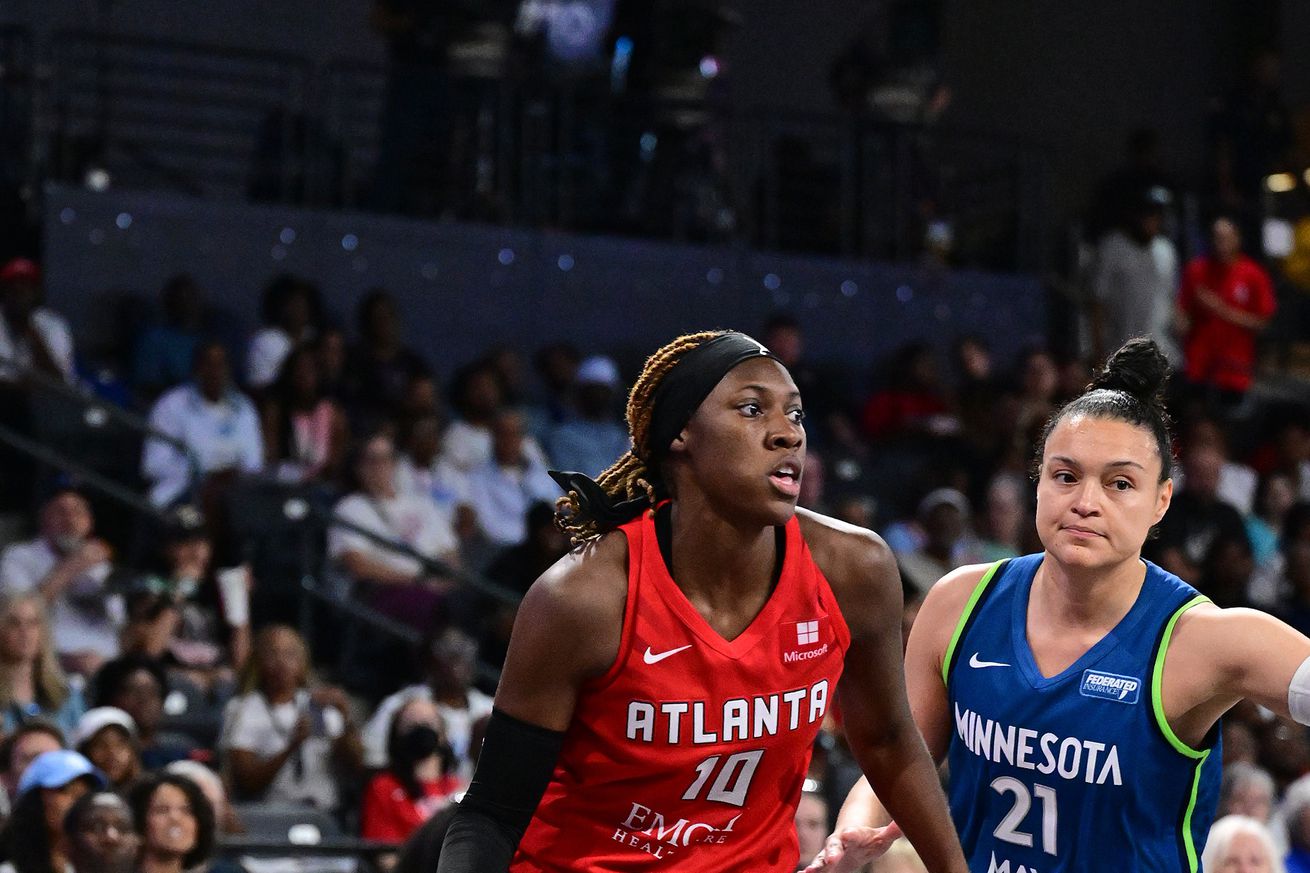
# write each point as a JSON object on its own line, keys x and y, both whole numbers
{"x": 852, "y": 848}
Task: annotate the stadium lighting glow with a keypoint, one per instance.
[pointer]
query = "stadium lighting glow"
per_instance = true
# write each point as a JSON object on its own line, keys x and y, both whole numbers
{"x": 1280, "y": 183}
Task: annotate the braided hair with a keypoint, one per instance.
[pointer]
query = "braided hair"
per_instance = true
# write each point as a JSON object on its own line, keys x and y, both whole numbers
{"x": 633, "y": 474}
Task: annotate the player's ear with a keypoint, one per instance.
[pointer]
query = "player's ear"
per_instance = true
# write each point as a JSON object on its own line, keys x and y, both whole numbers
{"x": 679, "y": 443}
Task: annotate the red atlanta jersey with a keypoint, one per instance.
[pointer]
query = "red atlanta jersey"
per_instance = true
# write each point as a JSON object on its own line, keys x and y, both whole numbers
{"x": 689, "y": 754}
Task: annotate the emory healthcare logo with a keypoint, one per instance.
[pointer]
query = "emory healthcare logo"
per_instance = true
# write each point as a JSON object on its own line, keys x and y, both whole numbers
{"x": 805, "y": 640}
{"x": 1110, "y": 686}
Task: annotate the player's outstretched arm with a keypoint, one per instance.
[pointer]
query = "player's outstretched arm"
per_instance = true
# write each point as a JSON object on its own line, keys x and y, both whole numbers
{"x": 1220, "y": 656}
{"x": 862, "y": 831}
{"x": 879, "y": 726}
{"x": 567, "y": 632}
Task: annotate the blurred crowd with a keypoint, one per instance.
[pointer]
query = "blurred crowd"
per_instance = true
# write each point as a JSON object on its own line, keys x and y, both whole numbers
{"x": 162, "y": 670}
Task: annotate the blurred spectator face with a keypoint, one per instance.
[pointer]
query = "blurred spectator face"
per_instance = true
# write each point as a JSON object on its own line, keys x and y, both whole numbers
{"x": 296, "y": 311}
{"x": 190, "y": 556}
{"x": 1039, "y": 377}
{"x": 595, "y": 400}
{"x": 1230, "y": 566}
{"x": 1005, "y": 509}
{"x": 21, "y": 630}
{"x": 1293, "y": 442}
{"x": 1246, "y": 854}
{"x": 507, "y": 439}
{"x": 1278, "y": 497}
{"x": 944, "y": 525}
{"x": 182, "y": 303}
{"x": 1225, "y": 239}
{"x": 856, "y": 510}
{"x": 57, "y": 802}
{"x": 376, "y": 468}
{"x": 170, "y": 827}
{"x": 1203, "y": 466}
{"x": 305, "y": 375}
{"x": 482, "y": 393}
{"x": 974, "y": 359}
{"x": 1074, "y": 377}
{"x": 142, "y": 697}
{"x": 811, "y": 824}
{"x": 923, "y": 369}
{"x": 103, "y": 838}
{"x": 508, "y": 365}
{"x": 419, "y": 712}
{"x": 283, "y": 661}
{"x": 421, "y": 397}
{"x": 66, "y": 521}
{"x": 556, "y": 365}
{"x": 454, "y": 659}
{"x": 381, "y": 327}
{"x": 112, "y": 750}
{"x": 425, "y": 440}
{"x": 1251, "y": 798}
{"x": 211, "y": 371}
{"x": 211, "y": 785}
{"x": 27, "y": 748}
{"x": 1149, "y": 225}
{"x": 787, "y": 342}
{"x": 1240, "y": 745}
{"x": 332, "y": 352}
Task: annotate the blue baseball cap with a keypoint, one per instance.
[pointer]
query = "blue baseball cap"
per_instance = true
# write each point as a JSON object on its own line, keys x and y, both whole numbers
{"x": 56, "y": 769}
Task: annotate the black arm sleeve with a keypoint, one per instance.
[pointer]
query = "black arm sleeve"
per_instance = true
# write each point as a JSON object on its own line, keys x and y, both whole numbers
{"x": 514, "y": 768}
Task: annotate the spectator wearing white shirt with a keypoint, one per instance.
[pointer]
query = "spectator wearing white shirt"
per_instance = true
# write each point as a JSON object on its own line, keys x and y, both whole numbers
{"x": 1134, "y": 281}
{"x": 285, "y": 741}
{"x": 67, "y": 566}
{"x": 503, "y": 488}
{"x": 478, "y": 397}
{"x": 217, "y": 423}
{"x": 394, "y": 582}
{"x": 289, "y": 309}
{"x": 451, "y": 664}
{"x": 30, "y": 335}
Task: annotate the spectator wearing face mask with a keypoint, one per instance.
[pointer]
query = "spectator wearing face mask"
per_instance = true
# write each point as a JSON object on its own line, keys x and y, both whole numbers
{"x": 418, "y": 780}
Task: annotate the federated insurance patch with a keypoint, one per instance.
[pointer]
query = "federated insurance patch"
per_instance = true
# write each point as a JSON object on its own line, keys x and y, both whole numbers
{"x": 1110, "y": 686}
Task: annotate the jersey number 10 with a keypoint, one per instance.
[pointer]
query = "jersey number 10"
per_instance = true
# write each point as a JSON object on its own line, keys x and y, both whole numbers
{"x": 733, "y": 780}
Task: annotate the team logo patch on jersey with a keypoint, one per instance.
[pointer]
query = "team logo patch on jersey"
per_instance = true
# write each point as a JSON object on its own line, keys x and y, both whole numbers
{"x": 1110, "y": 686}
{"x": 805, "y": 640}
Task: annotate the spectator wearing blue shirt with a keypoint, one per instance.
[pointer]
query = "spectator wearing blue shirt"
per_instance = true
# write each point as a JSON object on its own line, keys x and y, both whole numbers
{"x": 164, "y": 352}
{"x": 590, "y": 441}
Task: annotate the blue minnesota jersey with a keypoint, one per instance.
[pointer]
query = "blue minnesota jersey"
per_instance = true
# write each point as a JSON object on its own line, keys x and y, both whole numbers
{"x": 1079, "y": 771}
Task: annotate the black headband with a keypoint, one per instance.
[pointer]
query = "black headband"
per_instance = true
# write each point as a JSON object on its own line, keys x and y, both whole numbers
{"x": 680, "y": 393}
{"x": 685, "y": 387}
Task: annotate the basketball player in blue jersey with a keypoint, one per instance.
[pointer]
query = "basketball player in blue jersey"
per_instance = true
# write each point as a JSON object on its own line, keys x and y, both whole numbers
{"x": 1076, "y": 693}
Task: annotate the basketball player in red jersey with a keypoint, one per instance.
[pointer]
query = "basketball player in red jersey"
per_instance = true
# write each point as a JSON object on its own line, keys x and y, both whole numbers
{"x": 666, "y": 680}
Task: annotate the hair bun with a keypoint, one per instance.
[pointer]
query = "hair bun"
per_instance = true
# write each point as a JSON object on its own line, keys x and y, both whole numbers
{"x": 1138, "y": 369}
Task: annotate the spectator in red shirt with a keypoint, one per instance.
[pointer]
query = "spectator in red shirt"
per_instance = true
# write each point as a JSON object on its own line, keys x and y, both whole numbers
{"x": 912, "y": 401}
{"x": 1226, "y": 299}
{"x": 418, "y": 780}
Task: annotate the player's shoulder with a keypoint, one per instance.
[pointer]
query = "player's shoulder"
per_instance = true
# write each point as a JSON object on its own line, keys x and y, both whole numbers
{"x": 840, "y": 547}
{"x": 589, "y": 585}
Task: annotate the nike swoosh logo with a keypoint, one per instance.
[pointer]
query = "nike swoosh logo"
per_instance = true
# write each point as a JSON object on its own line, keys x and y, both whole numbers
{"x": 652, "y": 658}
{"x": 974, "y": 662}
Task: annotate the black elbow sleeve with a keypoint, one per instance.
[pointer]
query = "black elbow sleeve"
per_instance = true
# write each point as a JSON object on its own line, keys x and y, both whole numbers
{"x": 514, "y": 768}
